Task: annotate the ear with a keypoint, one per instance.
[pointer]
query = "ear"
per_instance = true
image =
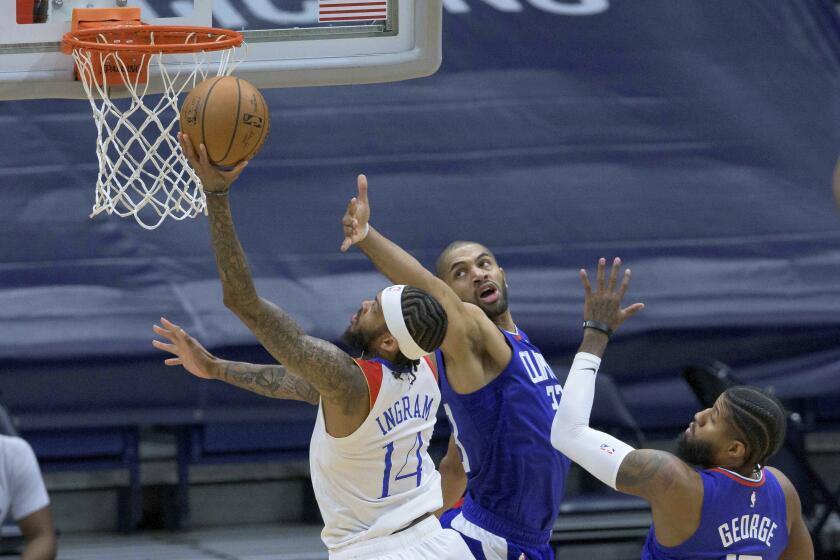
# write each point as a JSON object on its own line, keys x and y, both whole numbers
{"x": 504, "y": 277}
{"x": 386, "y": 344}
{"x": 737, "y": 451}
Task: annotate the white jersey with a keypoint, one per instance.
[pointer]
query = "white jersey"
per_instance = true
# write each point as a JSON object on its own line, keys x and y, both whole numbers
{"x": 380, "y": 478}
{"x": 22, "y": 489}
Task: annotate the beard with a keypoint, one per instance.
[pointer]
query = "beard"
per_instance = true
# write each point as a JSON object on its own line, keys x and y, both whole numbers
{"x": 356, "y": 341}
{"x": 695, "y": 452}
{"x": 359, "y": 341}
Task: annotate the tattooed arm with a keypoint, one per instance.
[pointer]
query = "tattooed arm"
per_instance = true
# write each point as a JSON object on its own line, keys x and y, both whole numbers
{"x": 268, "y": 380}
{"x": 273, "y": 381}
{"x": 673, "y": 489}
{"x": 332, "y": 372}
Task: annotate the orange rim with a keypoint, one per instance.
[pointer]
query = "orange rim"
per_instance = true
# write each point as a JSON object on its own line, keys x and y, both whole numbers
{"x": 154, "y": 39}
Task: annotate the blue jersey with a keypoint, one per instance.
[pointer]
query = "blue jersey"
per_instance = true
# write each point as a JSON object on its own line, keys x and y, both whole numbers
{"x": 515, "y": 477}
{"x": 742, "y": 519}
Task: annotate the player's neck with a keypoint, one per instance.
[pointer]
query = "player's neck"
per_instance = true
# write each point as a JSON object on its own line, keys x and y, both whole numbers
{"x": 746, "y": 472}
{"x": 385, "y": 355}
{"x": 505, "y": 321}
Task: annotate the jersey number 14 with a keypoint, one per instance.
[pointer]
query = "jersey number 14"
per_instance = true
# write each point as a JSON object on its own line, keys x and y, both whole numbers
{"x": 389, "y": 453}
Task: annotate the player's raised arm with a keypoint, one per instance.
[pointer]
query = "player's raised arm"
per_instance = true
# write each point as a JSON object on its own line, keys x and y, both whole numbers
{"x": 400, "y": 267}
{"x": 268, "y": 380}
{"x": 329, "y": 369}
{"x": 659, "y": 477}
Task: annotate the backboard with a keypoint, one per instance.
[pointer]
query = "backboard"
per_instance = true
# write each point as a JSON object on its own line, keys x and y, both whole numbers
{"x": 289, "y": 42}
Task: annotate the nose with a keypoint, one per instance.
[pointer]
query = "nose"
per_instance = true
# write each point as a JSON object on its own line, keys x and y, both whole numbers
{"x": 478, "y": 274}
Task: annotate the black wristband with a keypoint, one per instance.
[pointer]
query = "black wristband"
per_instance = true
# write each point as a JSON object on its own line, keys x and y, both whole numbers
{"x": 598, "y": 326}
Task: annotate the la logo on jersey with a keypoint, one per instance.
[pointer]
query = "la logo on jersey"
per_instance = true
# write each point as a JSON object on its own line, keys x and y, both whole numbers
{"x": 609, "y": 450}
{"x": 752, "y": 499}
{"x": 540, "y": 373}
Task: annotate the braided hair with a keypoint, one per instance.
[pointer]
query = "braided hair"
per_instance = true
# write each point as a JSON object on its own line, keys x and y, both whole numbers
{"x": 426, "y": 322}
{"x": 760, "y": 419}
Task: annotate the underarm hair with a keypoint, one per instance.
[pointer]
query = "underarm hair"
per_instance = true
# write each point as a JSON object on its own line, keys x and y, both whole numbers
{"x": 599, "y": 453}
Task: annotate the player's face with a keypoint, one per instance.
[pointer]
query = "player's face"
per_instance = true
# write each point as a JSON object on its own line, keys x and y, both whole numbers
{"x": 710, "y": 440}
{"x": 472, "y": 272}
{"x": 366, "y": 326}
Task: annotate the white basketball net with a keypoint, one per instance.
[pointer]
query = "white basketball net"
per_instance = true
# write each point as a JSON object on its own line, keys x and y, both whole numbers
{"x": 142, "y": 170}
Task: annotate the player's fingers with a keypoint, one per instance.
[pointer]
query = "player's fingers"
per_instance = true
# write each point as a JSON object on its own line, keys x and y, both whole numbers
{"x": 237, "y": 171}
{"x": 202, "y": 155}
{"x": 584, "y": 278}
{"x": 361, "y": 182}
{"x": 616, "y": 266}
{"x": 171, "y": 348}
{"x": 349, "y": 210}
{"x": 173, "y": 362}
{"x": 600, "y": 273}
{"x": 625, "y": 283}
{"x": 632, "y": 310}
{"x": 172, "y": 327}
{"x": 186, "y": 145}
{"x": 346, "y": 244}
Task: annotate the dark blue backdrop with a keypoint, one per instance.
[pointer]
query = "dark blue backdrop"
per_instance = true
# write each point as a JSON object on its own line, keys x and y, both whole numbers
{"x": 695, "y": 140}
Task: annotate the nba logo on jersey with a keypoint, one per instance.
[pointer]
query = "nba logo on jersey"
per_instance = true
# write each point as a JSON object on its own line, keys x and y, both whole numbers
{"x": 607, "y": 449}
{"x": 752, "y": 499}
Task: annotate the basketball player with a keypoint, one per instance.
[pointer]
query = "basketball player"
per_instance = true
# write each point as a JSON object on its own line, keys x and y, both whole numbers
{"x": 731, "y": 507}
{"x": 375, "y": 483}
{"x": 24, "y": 498}
{"x": 499, "y": 393}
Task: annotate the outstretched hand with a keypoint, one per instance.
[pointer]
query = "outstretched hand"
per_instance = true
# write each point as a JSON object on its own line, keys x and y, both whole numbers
{"x": 212, "y": 178}
{"x": 604, "y": 304}
{"x": 356, "y": 217}
{"x": 189, "y": 353}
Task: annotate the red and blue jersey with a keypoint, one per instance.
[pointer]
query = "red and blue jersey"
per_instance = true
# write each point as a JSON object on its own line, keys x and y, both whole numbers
{"x": 515, "y": 477}
{"x": 742, "y": 519}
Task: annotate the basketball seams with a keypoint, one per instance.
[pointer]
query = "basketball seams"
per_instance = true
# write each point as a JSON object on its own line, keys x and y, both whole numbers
{"x": 204, "y": 116}
{"x": 236, "y": 121}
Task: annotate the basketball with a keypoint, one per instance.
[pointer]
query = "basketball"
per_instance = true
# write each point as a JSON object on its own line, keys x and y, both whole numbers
{"x": 229, "y": 116}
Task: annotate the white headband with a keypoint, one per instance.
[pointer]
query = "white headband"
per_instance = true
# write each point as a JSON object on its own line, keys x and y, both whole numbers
{"x": 392, "y": 309}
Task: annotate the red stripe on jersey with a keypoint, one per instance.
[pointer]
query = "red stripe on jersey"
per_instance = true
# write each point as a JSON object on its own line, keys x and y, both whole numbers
{"x": 373, "y": 376}
{"x": 741, "y": 480}
{"x": 432, "y": 366}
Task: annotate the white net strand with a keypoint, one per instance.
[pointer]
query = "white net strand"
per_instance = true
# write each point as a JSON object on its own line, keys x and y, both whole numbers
{"x": 142, "y": 170}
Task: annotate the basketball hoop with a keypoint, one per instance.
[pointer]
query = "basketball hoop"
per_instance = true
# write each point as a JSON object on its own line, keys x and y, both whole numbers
{"x": 142, "y": 171}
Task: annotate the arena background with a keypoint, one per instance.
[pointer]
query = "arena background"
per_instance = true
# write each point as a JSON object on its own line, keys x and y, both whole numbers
{"x": 696, "y": 140}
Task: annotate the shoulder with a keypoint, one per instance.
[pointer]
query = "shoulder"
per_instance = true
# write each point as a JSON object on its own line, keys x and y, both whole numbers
{"x": 473, "y": 310}
{"x": 784, "y": 481}
{"x": 14, "y": 447}
{"x": 468, "y": 332}
{"x": 18, "y": 458}
{"x": 791, "y": 495}
{"x": 373, "y": 372}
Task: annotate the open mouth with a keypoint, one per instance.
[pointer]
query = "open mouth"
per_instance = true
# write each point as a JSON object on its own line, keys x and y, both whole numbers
{"x": 488, "y": 293}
